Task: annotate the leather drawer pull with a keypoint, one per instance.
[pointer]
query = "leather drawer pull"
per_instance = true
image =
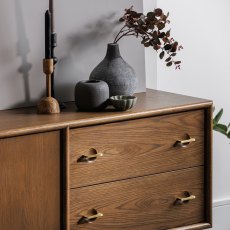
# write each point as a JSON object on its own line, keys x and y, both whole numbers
{"x": 89, "y": 219}
{"x": 186, "y": 199}
{"x": 185, "y": 143}
{"x": 93, "y": 155}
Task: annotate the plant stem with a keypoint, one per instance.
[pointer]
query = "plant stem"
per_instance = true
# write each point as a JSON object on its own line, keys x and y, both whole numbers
{"x": 115, "y": 40}
{"x": 125, "y": 34}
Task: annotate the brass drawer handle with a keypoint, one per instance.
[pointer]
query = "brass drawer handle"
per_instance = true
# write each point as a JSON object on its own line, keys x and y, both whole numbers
{"x": 88, "y": 219}
{"x": 185, "y": 143}
{"x": 186, "y": 199}
{"x": 93, "y": 155}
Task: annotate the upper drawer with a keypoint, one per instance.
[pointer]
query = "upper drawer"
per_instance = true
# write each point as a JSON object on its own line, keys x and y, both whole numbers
{"x": 135, "y": 148}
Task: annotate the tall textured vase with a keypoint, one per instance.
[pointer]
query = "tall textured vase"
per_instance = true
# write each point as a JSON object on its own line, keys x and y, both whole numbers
{"x": 118, "y": 74}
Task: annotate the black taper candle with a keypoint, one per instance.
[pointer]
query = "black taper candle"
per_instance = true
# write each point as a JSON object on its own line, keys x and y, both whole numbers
{"x": 48, "y": 43}
{"x": 51, "y": 9}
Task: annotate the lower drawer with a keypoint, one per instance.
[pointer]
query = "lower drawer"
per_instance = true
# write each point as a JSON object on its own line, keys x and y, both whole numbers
{"x": 145, "y": 203}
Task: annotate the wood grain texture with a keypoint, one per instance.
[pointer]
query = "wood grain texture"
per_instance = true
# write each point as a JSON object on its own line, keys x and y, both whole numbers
{"x": 151, "y": 103}
{"x": 136, "y": 148}
{"x": 146, "y": 203}
{"x": 30, "y": 182}
{"x": 48, "y": 105}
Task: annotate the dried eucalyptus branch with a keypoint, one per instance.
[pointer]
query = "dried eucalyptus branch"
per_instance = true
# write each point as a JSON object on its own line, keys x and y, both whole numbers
{"x": 150, "y": 28}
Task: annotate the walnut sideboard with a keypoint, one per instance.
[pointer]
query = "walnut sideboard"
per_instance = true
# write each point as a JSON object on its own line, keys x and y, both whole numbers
{"x": 148, "y": 168}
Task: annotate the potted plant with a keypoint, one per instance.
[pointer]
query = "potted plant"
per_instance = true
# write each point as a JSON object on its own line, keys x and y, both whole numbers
{"x": 151, "y": 28}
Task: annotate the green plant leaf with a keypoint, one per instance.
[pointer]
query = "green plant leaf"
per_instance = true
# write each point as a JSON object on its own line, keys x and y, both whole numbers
{"x": 221, "y": 129}
{"x": 228, "y": 135}
{"x": 218, "y": 116}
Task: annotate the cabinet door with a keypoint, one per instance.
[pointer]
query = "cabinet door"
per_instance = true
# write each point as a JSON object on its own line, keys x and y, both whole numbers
{"x": 30, "y": 182}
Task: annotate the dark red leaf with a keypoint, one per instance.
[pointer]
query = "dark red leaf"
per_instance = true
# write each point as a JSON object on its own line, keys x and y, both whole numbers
{"x": 168, "y": 33}
{"x": 168, "y": 59}
{"x": 169, "y": 63}
{"x": 161, "y": 35}
{"x": 151, "y": 15}
{"x": 162, "y": 54}
{"x": 158, "y": 12}
{"x": 161, "y": 26}
{"x": 167, "y": 47}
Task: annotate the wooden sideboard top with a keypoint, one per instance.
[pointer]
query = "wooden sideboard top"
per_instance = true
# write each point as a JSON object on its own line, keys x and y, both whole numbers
{"x": 153, "y": 102}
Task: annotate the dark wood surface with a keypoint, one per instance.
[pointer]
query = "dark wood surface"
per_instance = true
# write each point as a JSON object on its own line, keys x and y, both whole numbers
{"x": 146, "y": 203}
{"x": 26, "y": 121}
{"x": 30, "y": 182}
{"x": 136, "y": 148}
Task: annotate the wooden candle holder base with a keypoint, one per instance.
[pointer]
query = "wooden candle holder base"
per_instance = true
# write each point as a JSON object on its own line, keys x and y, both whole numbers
{"x": 48, "y": 104}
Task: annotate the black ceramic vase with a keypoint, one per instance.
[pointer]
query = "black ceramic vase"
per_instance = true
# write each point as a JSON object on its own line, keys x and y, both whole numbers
{"x": 91, "y": 95}
{"x": 119, "y": 75}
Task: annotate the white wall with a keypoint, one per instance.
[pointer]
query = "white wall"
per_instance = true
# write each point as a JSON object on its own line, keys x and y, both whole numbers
{"x": 150, "y": 54}
{"x": 202, "y": 27}
{"x": 84, "y": 28}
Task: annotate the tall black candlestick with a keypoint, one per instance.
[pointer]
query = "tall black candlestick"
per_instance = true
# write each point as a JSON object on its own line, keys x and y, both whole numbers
{"x": 48, "y": 43}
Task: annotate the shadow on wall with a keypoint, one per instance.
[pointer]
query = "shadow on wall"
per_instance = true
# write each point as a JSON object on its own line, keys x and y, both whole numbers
{"x": 91, "y": 39}
{"x": 23, "y": 49}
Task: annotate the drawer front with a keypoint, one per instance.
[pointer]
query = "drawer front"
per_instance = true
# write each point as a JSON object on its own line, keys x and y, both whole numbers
{"x": 135, "y": 148}
{"x": 145, "y": 203}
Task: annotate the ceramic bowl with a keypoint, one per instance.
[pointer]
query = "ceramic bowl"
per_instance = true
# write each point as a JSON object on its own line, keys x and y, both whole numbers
{"x": 122, "y": 102}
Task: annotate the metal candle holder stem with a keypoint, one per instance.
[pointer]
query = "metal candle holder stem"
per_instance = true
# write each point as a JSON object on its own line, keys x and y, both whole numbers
{"x": 48, "y": 104}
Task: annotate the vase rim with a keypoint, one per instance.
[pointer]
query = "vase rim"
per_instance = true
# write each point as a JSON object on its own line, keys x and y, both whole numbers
{"x": 91, "y": 81}
{"x": 113, "y": 44}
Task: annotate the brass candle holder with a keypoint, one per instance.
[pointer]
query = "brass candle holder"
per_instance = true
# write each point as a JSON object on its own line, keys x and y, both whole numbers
{"x": 48, "y": 104}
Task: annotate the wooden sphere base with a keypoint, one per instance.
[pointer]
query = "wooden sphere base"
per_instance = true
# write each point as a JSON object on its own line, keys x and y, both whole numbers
{"x": 48, "y": 105}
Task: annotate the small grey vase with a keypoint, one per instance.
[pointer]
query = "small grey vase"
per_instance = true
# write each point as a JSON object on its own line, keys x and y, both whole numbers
{"x": 119, "y": 75}
{"x": 91, "y": 95}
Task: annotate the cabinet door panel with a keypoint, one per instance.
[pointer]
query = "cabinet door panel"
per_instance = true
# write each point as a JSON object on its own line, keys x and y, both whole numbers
{"x": 30, "y": 182}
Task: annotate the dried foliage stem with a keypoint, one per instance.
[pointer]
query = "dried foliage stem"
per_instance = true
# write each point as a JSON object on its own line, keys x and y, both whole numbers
{"x": 121, "y": 31}
{"x": 122, "y": 34}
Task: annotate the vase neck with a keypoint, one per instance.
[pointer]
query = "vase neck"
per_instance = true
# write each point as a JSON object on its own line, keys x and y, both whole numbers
{"x": 113, "y": 51}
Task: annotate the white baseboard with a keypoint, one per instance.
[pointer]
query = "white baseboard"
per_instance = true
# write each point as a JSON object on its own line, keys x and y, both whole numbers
{"x": 221, "y": 210}
{"x": 221, "y": 202}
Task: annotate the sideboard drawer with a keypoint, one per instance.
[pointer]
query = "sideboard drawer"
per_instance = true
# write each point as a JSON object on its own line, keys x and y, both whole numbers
{"x": 145, "y": 203}
{"x": 135, "y": 148}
